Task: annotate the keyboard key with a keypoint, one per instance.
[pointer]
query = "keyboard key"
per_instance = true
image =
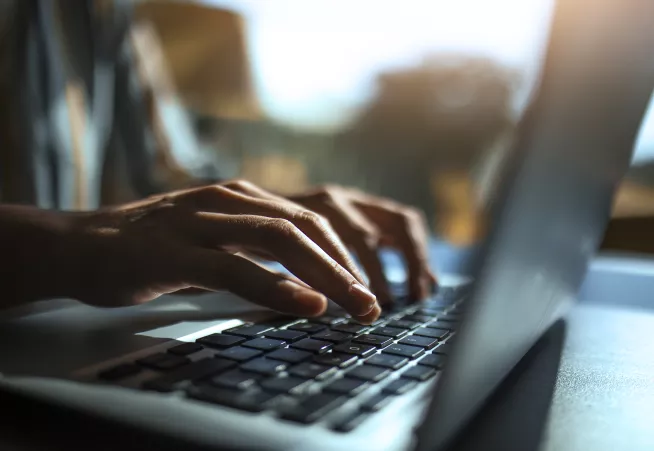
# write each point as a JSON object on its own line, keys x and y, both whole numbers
{"x": 288, "y": 385}
{"x": 333, "y": 336}
{"x": 356, "y": 348}
{"x": 399, "y": 387}
{"x": 308, "y": 327}
{"x": 369, "y": 373}
{"x": 393, "y": 362}
{"x": 119, "y": 372}
{"x": 423, "y": 342}
{"x": 378, "y": 341}
{"x": 419, "y": 373}
{"x": 250, "y": 401}
{"x": 237, "y": 379}
{"x": 443, "y": 324}
{"x": 248, "y": 330}
{"x": 335, "y": 359}
{"x": 433, "y": 361}
{"x": 432, "y": 333}
{"x": 404, "y": 350}
{"x": 443, "y": 349}
{"x": 163, "y": 361}
{"x": 193, "y": 372}
{"x": 350, "y": 328}
{"x": 330, "y": 320}
{"x": 347, "y": 386}
{"x": 350, "y": 422}
{"x": 418, "y": 318}
{"x": 450, "y": 317}
{"x": 261, "y": 365}
{"x": 264, "y": 344}
{"x": 403, "y": 324}
{"x": 289, "y": 355}
{"x": 239, "y": 353}
{"x": 289, "y": 336}
{"x": 392, "y": 332}
{"x": 376, "y": 403}
{"x": 186, "y": 349}
{"x": 220, "y": 340}
{"x": 314, "y": 408}
{"x": 310, "y": 370}
{"x": 316, "y": 346}
{"x": 431, "y": 312}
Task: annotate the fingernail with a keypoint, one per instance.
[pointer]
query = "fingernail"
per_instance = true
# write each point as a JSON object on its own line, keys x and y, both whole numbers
{"x": 371, "y": 316}
{"x": 365, "y": 295}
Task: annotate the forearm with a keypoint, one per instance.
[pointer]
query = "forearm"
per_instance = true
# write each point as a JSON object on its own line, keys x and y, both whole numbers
{"x": 33, "y": 255}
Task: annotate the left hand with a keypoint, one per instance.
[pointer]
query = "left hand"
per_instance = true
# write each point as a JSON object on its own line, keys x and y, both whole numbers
{"x": 365, "y": 223}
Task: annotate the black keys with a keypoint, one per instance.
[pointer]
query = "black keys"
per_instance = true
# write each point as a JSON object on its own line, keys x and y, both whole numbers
{"x": 419, "y": 373}
{"x": 378, "y": 341}
{"x": 333, "y": 336}
{"x": 418, "y": 318}
{"x": 289, "y": 385}
{"x": 310, "y": 370}
{"x": 264, "y": 344}
{"x": 314, "y": 408}
{"x": 443, "y": 349}
{"x": 330, "y": 320}
{"x": 450, "y": 317}
{"x": 356, "y": 349}
{"x": 347, "y": 386}
{"x": 392, "y": 332}
{"x": 119, "y": 372}
{"x": 315, "y": 346}
{"x": 261, "y": 365}
{"x": 163, "y": 361}
{"x": 351, "y": 421}
{"x": 423, "y": 342}
{"x": 403, "y": 324}
{"x": 289, "y": 355}
{"x": 239, "y": 353}
{"x": 369, "y": 373}
{"x": 250, "y": 401}
{"x": 432, "y": 333}
{"x": 248, "y": 330}
{"x": 350, "y": 328}
{"x": 289, "y": 336}
{"x": 393, "y": 362}
{"x": 237, "y": 379}
{"x": 308, "y": 327}
{"x": 433, "y": 361}
{"x": 336, "y": 359}
{"x": 376, "y": 403}
{"x": 399, "y": 387}
{"x": 405, "y": 350}
{"x": 220, "y": 340}
{"x": 193, "y": 372}
{"x": 430, "y": 312}
{"x": 186, "y": 349}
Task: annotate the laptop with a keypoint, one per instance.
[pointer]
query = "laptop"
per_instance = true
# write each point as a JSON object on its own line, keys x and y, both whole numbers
{"x": 415, "y": 378}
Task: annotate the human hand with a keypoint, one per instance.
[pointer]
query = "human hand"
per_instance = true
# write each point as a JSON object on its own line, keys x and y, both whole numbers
{"x": 134, "y": 253}
{"x": 365, "y": 222}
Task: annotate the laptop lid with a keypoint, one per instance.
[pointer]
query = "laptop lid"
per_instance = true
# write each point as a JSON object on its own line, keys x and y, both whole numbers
{"x": 573, "y": 147}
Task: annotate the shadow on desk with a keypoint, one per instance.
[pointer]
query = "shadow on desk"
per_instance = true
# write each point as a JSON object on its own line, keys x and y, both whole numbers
{"x": 514, "y": 418}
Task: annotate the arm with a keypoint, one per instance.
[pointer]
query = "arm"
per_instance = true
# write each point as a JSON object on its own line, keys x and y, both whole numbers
{"x": 33, "y": 243}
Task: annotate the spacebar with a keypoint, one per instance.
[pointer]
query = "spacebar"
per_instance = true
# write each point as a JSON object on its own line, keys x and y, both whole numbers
{"x": 194, "y": 371}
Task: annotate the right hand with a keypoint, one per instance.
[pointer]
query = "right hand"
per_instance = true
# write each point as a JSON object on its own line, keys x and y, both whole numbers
{"x": 195, "y": 239}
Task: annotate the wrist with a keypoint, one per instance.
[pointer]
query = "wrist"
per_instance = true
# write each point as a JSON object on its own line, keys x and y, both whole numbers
{"x": 37, "y": 261}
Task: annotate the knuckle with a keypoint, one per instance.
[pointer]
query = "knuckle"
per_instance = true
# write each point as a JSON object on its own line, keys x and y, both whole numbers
{"x": 239, "y": 184}
{"x": 280, "y": 228}
{"x": 313, "y": 219}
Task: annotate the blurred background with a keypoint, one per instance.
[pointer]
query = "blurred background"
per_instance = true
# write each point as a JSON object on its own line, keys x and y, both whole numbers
{"x": 414, "y": 100}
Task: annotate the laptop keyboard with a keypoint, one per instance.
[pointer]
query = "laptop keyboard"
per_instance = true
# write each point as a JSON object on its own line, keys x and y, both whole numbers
{"x": 305, "y": 369}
